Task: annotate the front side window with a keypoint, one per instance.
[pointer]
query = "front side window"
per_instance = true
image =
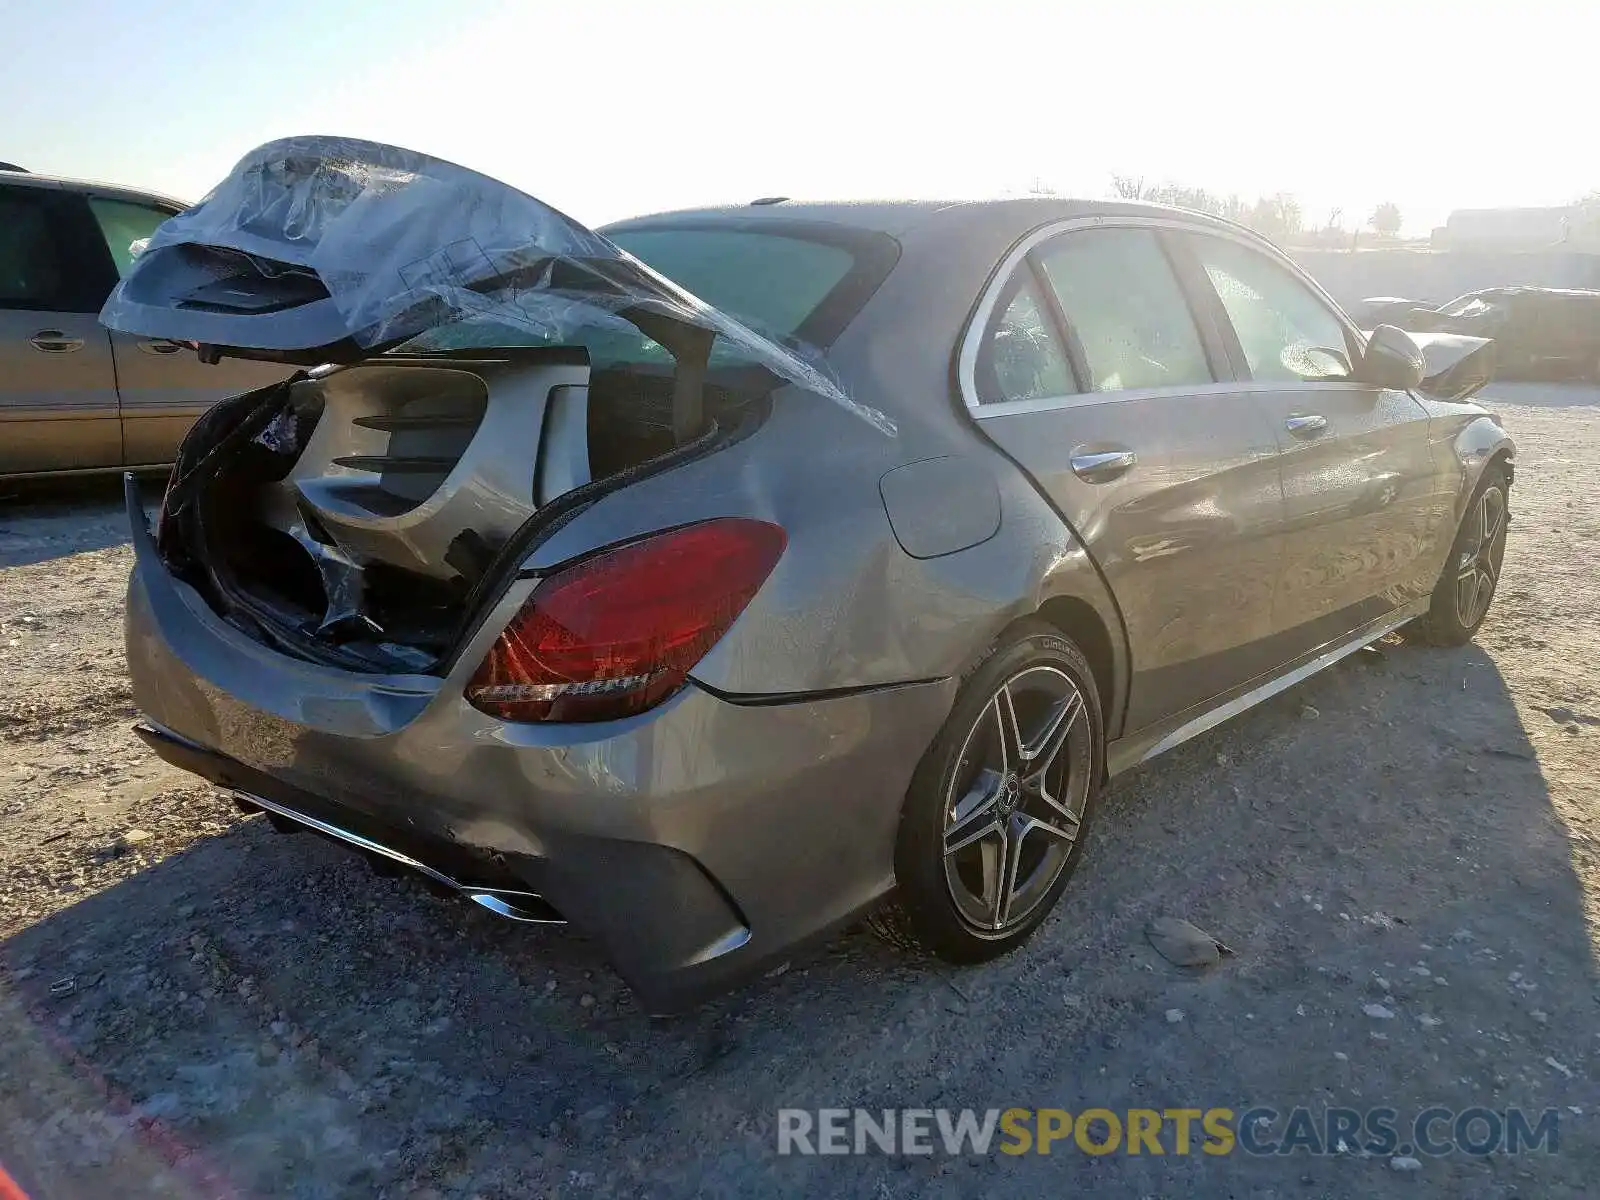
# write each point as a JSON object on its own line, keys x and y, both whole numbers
{"x": 1287, "y": 333}
{"x": 1023, "y": 358}
{"x": 32, "y": 272}
{"x": 1125, "y": 307}
{"x": 125, "y": 225}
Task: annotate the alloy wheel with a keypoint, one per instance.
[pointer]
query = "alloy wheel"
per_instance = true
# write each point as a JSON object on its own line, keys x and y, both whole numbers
{"x": 1478, "y": 566}
{"x": 1015, "y": 802}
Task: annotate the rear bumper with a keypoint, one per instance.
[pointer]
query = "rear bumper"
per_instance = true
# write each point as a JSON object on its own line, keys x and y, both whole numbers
{"x": 486, "y": 879}
{"x": 700, "y": 842}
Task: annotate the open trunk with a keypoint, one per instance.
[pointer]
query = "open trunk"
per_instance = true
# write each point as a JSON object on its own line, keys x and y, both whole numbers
{"x": 360, "y": 514}
{"x": 487, "y": 361}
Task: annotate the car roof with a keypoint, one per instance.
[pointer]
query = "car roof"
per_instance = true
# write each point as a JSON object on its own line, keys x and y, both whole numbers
{"x": 911, "y": 219}
{"x": 949, "y": 250}
{"x": 88, "y": 187}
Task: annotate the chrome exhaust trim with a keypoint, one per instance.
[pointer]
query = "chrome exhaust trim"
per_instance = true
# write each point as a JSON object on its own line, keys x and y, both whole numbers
{"x": 515, "y": 906}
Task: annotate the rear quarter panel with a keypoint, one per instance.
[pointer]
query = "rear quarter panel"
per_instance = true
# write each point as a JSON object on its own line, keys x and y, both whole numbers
{"x": 848, "y": 606}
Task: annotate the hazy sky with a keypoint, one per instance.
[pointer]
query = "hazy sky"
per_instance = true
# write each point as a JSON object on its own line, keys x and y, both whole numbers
{"x": 612, "y": 108}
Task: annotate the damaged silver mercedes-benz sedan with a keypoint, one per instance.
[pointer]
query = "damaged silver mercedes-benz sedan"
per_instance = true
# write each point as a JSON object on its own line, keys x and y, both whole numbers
{"x": 721, "y": 578}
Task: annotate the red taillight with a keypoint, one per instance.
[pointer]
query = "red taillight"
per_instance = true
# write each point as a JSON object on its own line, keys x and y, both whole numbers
{"x": 617, "y": 633}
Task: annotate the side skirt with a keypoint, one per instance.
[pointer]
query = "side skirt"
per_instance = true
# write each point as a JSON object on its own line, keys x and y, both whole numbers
{"x": 1128, "y": 752}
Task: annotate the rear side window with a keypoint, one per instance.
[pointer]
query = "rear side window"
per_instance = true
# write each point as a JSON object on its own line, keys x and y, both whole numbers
{"x": 33, "y": 271}
{"x": 1287, "y": 333}
{"x": 1125, "y": 308}
{"x": 1023, "y": 358}
{"x": 125, "y": 224}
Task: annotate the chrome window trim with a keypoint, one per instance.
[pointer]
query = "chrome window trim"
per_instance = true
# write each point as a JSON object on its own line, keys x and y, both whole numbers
{"x": 1005, "y": 408}
{"x": 972, "y": 337}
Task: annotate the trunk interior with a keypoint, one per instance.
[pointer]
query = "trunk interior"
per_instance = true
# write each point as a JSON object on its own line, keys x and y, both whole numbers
{"x": 360, "y": 515}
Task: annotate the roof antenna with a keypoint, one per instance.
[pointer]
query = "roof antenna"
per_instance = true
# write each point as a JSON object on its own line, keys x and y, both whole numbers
{"x": 5, "y": 166}
{"x": 768, "y": 200}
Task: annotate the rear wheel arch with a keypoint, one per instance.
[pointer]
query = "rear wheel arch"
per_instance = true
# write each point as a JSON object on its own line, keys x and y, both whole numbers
{"x": 1081, "y": 624}
{"x": 1043, "y": 775}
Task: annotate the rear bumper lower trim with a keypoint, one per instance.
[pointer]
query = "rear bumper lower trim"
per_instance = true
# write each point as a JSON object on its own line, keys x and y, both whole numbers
{"x": 512, "y": 904}
{"x": 345, "y": 835}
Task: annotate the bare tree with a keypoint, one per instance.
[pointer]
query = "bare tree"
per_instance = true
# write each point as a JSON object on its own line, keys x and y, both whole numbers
{"x": 1583, "y": 224}
{"x": 1385, "y": 219}
{"x": 1179, "y": 195}
{"x": 1277, "y": 217}
{"x": 1128, "y": 187}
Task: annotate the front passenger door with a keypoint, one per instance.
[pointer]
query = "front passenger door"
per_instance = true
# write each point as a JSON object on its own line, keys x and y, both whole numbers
{"x": 1361, "y": 507}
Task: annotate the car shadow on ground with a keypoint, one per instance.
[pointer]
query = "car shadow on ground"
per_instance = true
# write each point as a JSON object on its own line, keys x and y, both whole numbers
{"x": 282, "y": 1020}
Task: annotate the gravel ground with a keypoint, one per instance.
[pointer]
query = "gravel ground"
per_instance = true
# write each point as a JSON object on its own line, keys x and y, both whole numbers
{"x": 191, "y": 1005}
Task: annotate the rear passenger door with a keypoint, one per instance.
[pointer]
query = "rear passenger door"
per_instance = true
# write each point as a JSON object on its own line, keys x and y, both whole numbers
{"x": 164, "y": 386}
{"x": 1362, "y": 505}
{"x": 58, "y": 391}
{"x": 1088, "y": 365}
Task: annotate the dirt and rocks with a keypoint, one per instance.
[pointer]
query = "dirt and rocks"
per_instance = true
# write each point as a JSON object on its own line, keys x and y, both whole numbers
{"x": 1402, "y": 857}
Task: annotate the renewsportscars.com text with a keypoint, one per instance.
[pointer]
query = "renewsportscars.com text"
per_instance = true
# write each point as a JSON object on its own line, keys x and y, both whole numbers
{"x": 1257, "y": 1130}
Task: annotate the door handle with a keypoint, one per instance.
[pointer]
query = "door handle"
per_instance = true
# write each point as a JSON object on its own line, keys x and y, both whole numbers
{"x": 1306, "y": 424}
{"x": 1102, "y": 466}
{"x": 53, "y": 341}
{"x": 160, "y": 346}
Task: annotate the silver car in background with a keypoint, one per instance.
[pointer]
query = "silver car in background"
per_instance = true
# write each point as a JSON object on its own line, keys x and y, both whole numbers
{"x": 718, "y": 580}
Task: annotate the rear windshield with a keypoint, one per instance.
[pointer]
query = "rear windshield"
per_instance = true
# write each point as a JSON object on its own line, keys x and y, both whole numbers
{"x": 798, "y": 284}
{"x": 772, "y": 282}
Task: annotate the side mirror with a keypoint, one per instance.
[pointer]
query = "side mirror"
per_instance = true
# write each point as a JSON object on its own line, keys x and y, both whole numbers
{"x": 1392, "y": 360}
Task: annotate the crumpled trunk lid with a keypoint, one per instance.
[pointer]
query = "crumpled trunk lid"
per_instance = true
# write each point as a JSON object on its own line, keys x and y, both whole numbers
{"x": 325, "y": 249}
{"x": 364, "y": 514}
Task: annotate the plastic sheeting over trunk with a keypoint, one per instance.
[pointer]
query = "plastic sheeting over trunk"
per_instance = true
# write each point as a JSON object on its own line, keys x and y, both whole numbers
{"x": 325, "y": 248}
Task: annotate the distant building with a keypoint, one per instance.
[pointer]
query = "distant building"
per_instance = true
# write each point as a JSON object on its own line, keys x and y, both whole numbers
{"x": 1517, "y": 228}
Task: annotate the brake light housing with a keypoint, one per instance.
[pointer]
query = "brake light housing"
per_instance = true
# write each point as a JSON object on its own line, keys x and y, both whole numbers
{"x": 618, "y": 632}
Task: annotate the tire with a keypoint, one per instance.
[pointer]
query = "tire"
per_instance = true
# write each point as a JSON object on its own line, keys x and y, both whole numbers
{"x": 1458, "y": 608}
{"x": 965, "y": 895}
